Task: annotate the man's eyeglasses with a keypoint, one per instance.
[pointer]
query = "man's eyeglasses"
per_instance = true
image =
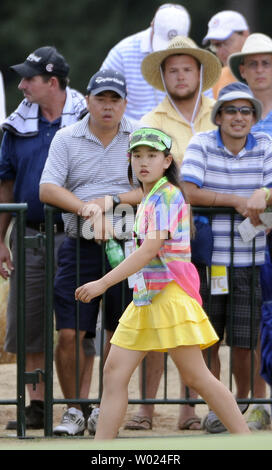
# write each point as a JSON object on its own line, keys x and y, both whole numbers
{"x": 254, "y": 64}
{"x": 232, "y": 110}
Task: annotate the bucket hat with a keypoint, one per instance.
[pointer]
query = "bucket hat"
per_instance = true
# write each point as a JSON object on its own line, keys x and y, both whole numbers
{"x": 181, "y": 45}
{"x": 236, "y": 91}
{"x": 256, "y": 43}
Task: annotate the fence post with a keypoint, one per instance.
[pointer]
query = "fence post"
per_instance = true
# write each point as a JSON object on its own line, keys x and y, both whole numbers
{"x": 49, "y": 321}
{"x": 20, "y": 280}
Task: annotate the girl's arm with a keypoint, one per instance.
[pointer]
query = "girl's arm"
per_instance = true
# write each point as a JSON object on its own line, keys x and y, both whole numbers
{"x": 132, "y": 264}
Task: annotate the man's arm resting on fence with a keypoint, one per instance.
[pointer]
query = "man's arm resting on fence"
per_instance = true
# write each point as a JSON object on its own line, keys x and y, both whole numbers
{"x": 131, "y": 198}
{"x": 257, "y": 203}
{"x": 6, "y": 197}
{"x": 63, "y": 198}
{"x": 203, "y": 197}
{"x": 60, "y": 197}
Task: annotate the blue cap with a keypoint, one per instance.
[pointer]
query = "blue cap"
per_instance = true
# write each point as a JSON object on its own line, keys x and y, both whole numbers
{"x": 107, "y": 80}
{"x": 236, "y": 91}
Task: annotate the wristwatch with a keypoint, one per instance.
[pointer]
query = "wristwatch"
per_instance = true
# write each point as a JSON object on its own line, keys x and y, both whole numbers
{"x": 115, "y": 201}
{"x": 267, "y": 193}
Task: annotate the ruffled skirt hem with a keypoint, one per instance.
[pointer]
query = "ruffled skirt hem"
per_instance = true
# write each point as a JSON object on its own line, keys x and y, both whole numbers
{"x": 173, "y": 319}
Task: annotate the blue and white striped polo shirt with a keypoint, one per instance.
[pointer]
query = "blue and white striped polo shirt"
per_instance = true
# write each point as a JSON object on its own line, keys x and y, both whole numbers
{"x": 126, "y": 57}
{"x": 208, "y": 164}
{"x": 264, "y": 125}
{"x": 79, "y": 162}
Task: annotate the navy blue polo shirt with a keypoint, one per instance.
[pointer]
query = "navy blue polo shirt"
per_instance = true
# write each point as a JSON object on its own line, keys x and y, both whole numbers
{"x": 22, "y": 159}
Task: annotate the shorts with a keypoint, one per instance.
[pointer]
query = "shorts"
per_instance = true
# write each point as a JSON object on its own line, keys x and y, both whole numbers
{"x": 72, "y": 314}
{"x": 242, "y": 328}
{"x": 35, "y": 259}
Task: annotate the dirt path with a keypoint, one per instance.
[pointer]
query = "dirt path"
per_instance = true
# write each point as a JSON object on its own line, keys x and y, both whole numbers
{"x": 165, "y": 419}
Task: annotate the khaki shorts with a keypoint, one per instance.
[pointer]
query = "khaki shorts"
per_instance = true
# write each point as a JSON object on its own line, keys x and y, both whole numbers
{"x": 35, "y": 298}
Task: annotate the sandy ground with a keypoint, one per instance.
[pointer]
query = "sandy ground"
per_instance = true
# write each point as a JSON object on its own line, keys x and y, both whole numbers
{"x": 164, "y": 422}
{"x": 166, "y": 415}
{"x": 165, "y": 418}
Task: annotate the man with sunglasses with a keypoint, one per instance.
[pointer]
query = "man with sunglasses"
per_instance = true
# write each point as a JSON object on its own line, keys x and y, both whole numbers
{"x": 222, "y": 168}
{"x": 253, "y": 66}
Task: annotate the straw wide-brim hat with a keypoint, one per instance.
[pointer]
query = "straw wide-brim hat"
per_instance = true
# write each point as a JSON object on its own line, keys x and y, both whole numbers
{"x": 181, "y": 45}
{"x": 256, "y": 43}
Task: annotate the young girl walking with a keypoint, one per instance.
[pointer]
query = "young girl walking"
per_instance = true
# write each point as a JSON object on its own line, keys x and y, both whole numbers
{"x": 166, "y": 312}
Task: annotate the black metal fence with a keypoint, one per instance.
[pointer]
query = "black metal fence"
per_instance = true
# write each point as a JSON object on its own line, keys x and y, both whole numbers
{"x": 34, "y": 377}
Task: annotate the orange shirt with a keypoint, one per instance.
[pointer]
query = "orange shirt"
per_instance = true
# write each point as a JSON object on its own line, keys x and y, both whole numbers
{"x": 224, "y": 80}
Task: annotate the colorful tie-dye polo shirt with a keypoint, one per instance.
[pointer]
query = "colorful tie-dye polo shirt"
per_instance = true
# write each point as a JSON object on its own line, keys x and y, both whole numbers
{"x": 166, "y": 210}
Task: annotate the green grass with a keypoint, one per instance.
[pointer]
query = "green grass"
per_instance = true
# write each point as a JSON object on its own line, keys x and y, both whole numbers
{"x": 257, "y": 441}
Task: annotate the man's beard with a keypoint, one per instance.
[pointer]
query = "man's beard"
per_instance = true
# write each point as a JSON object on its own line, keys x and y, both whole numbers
{"x": 189, "y": 96}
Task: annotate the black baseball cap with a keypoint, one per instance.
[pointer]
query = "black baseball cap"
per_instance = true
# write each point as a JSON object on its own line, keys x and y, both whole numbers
{"x": 107, "y": 80}
{"x": 45, "y": 60}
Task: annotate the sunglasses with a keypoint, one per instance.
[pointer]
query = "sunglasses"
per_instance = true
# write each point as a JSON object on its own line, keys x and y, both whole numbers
{"x": 232, "y": 110}
{"x": 150, "y": 137}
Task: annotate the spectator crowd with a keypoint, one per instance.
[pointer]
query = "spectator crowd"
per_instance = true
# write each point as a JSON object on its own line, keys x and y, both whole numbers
{"x": 208, "y": 110}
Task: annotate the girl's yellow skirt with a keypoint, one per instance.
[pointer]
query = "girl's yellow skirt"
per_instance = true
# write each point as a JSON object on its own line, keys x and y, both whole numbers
{"x": 172, "y": 319}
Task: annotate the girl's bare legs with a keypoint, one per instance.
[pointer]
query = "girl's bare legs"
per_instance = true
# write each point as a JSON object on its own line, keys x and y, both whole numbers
{"x": 118, "y": 370}
{"x": 192, "y": 367}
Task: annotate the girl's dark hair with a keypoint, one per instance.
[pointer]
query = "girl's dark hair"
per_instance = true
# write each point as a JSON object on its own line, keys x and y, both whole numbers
{"x": 173, "y": 175}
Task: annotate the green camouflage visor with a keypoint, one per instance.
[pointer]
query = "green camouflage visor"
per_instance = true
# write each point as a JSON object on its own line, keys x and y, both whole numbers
{"x": 151, "y": 137}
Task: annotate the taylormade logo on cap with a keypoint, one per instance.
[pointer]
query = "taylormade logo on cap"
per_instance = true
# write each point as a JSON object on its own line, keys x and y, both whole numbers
{"x": 33, "y": 58}
{"x": 44, "y": 60}
{"x": 109, "y": 79}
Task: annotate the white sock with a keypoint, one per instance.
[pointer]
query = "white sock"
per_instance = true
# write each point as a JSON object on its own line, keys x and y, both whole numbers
{"x": 263, "y": 405}
{"x": 75, "y": 410}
